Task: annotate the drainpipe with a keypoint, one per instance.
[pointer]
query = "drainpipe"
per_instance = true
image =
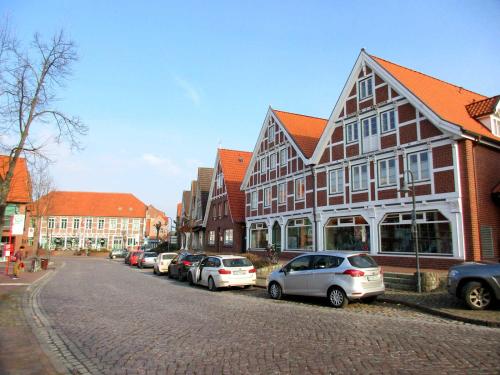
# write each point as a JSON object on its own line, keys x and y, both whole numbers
{"x": 315, "y": 218}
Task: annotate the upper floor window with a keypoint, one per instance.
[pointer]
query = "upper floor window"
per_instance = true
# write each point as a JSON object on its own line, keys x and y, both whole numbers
{"x": 51, "y": 223}
{"x": 281, "y": 193}
{"x": 300, "y": 189}
{"x": 359, "y": 177}
{"x": 136, "y": 224}
{"x": 365, "y": 88}
{"x": 112, "y": 224}
{"x": 271, "y": 133}
{"x": 418, "y": 164}
{"x": 253, "y": 200}
{"x": 226, "y": 210}
{"x": 211, "y": 237}
{"x": 267, "y": 197}
{"x": 336, "y": 181}
{"x": 283, "y": 156}
{"x": 388, "y": 121}
{"x": 88, "y": 223}
{"x": 495, "y": 126}
{"x": 387, "y": 172}
{"x": 100, "y": 224}
{"x": 220, "y": 178}
{"x": 273, "y": 160}
{"x": 228, "y": 237}
{"x": 351, "y": 132}
{"x": 76, "y": 223}
{"x": 263, "y": 164}
{"x": 64, "y": 223}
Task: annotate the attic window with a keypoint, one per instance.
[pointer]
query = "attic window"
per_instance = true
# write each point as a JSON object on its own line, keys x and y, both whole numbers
{"x": 495, "y": 126}
{"x": 365, "y": 88}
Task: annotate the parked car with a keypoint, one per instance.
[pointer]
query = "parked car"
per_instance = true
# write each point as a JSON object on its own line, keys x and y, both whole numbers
{"x": 118, "y": 253}
{"x": 146, "y": 259}
{"x": 134, "y": 255}
{"x": 162, "y": 262}
{"x": 223, "y": 271}
{"x": 339, "y": 276}
{"x": 179, "y": 266}
{"x": 127, "y": 257}
{"x": 478, "y": 284}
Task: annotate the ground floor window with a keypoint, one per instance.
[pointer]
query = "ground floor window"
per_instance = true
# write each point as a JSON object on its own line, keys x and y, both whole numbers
{"x": 131, "y": 241}
{"x": 117, "y": 242}
{"x": 72, "y": 242}
{"x": 228, "y": 237}
{"x": 347, "y": 233}
{"x": 211, "y": 237}
{"x": 299, "y": 234}
{"x": 433, "y": 233}
{"x": 258, "y": 236}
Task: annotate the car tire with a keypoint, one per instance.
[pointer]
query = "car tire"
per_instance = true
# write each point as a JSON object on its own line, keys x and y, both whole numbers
{"x": 337, "y": 297}
{"x": 247, "y": 286}
{"x": 275, "y": 291}
{"x": 211, "y": 284}
{"x": 190, "y": 279}
{"x": 370, "y": 299}
{"x": 169, "y": 275}
{"x": 477, "y": 296}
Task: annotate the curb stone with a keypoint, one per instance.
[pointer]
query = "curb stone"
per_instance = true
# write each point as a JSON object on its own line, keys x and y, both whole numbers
{"x": 63, "y": 354}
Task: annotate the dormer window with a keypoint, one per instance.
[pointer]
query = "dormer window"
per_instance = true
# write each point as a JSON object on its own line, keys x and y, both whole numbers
{"x": 365, "y": 88}
{"x": 495, "y": 125}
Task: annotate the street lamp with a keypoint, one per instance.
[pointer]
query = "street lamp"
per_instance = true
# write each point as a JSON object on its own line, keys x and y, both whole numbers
{"x": 414, "y": 232}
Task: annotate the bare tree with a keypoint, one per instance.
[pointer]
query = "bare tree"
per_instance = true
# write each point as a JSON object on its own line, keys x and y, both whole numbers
{"x": 41, "y": 187}
{"x": 29, "y": 120}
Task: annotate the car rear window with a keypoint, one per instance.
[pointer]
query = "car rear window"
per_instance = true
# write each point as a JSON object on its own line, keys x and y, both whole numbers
{"x": 168, "y": 256}
{"x": 149, "y": 255}
{"x": 194, "y": 258}
{"x": 362, "y": 261}
{"x": 237, "y": 262}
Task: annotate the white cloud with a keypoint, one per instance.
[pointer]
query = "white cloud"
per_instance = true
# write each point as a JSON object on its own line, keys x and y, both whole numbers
{"x": 165, "y": 165}
{"x": 189, "y": 90}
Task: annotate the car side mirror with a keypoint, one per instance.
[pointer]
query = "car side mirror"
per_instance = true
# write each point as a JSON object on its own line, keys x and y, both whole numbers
{"x": 284, "y": 270}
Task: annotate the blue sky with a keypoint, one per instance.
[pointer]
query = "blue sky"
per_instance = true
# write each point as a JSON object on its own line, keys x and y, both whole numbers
{"x": 160, "y": 84}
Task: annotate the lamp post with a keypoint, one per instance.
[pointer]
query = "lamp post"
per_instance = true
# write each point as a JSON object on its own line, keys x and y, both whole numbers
{"x": 414, "y": 232}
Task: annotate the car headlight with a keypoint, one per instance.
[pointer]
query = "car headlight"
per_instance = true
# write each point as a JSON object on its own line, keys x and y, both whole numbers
{"x": 453, "y": 273}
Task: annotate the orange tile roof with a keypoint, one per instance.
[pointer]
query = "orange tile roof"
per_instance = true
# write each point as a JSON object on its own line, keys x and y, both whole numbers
{"x": 448, "y": 101}
{"x": 305, "y": 130}
{"x": 20, "y": 191}
{"x": 76, "y": 203}
{"x": 234, "y": 166}
{"x": 179, "y": 209}
{"x": 483, "y": 108}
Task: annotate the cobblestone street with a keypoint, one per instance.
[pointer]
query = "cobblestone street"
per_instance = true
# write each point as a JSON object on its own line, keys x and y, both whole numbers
{"x": 117, "y": 320}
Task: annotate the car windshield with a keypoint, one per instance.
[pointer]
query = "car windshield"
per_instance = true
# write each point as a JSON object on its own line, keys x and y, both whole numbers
{"x": 194, "y": 258}
{"x": 237, "y": 262}
{"x": 362, "y": 261}
{"x": 149, "y": 255}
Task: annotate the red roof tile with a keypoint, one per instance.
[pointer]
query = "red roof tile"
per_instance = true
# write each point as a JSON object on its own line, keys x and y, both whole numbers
{"x": 483, "y": 107}
{"x": 305, "y": 130}
{"x": 448, "y": 101}
{"x": 76, "y": 203}
{"x": 179, "y": 208}
{"x": 234, "y": 166}
{"x": 20, "y": 191}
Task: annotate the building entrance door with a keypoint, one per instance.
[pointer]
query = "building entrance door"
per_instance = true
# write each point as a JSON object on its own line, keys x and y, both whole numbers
{"x": 276, "y": 240}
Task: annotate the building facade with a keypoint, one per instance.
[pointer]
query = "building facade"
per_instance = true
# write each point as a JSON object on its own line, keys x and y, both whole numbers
{"x": 224, "y": 220}
{"x": 156, "y": 224}
{"x": 102, "y": 221}
{"x": 392, "y": 127}
{"x": 199, "y": 205}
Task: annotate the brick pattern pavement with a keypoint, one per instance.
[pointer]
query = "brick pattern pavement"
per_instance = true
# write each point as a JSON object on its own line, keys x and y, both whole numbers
{"x": 127, "y": 321}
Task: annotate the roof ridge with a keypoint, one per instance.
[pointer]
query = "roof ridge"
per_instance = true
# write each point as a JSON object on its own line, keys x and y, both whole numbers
{"x": 90, "y": 192}
{"x": 427, "y": 75}
{"x": 298, "y": 114}
{"x": 228, "y": 149}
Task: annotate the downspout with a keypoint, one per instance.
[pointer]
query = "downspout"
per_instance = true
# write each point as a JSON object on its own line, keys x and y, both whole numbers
{"x": 315, "y": 218}
{"x": 473, "y": 202}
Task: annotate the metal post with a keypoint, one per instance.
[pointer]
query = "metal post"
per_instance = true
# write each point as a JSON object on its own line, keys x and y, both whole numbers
{"x": 414, "y": 231}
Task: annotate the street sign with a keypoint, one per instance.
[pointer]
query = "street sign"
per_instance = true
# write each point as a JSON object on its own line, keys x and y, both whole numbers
{"x": 17, "y": 225}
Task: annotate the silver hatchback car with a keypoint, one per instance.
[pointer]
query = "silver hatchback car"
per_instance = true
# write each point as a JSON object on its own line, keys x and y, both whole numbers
{"x": 339, "y": 276}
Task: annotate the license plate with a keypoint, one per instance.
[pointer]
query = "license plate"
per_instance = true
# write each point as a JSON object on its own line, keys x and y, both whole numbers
{"x": 239, "y": 272}
{"x": 372, "y": 278}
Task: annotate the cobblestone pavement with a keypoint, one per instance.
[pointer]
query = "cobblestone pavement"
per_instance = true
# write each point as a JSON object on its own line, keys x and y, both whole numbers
{"x": 128, "y": 321}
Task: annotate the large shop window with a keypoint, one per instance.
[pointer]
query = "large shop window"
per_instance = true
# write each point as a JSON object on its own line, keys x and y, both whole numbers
{"x": 433, "y": 233}
{"x": 347, "y": 233}
{"x": 258, "y": 236}
{"x": 299, "y": 234}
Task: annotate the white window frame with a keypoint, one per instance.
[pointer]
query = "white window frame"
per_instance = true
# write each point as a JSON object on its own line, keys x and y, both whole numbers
{"x": 336, "y": 181}
{"x": 100, "y": 223}
{"x": 51, "y": 222}
{"x": 418, "y": 174}
{"x": 87, "y": 221}
{"x": 386, "y": 125}
{"x": 282, "y": 193}
{"x": 211, "y": 237}
{"x": 271, "y": 133}
{"x": 113, "y": 224}
{"x": 254, "y": 198}
{"x": 283, "y": 156}
{"x": 358, "y": 185}
{"x": 263, "y": 164}
{"x": 228, "y": 236}
{"x": 136, "y": 224}
{"x": 64, "y": 221}
{"x": 76, "y": 223}
{"x": 365, "y": 88}
{"x": 273, "y": 160}
{"x": 267, "y": 197}
{"x": 352, "y": 132}
{"x": 384, "y": 172}
{"x": 298, "y": 182}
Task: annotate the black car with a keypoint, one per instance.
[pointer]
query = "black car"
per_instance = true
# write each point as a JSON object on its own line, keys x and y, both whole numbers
{"x": 118, "y": 253}
{"x": 180, "y": 265}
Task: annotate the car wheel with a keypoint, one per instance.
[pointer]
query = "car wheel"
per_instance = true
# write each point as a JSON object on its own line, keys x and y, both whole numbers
{"x": 370, "y": 299}
{"x": 275, "y": 291}
{"x": 247, "y": 286}
{"x": 477, "y": 296}
{"x": 211, "y": 285}
{"x": 190, "y": 279}
{"x": 337, "y": 297}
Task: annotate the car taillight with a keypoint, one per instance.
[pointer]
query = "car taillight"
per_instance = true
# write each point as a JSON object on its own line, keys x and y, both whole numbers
{"x": 253, "y": 270}
{"x": 143, "y": 260}
{"x": 186, "y": 263}
{"x": 224, "y": 272}
{"x": 354, "y": 273}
